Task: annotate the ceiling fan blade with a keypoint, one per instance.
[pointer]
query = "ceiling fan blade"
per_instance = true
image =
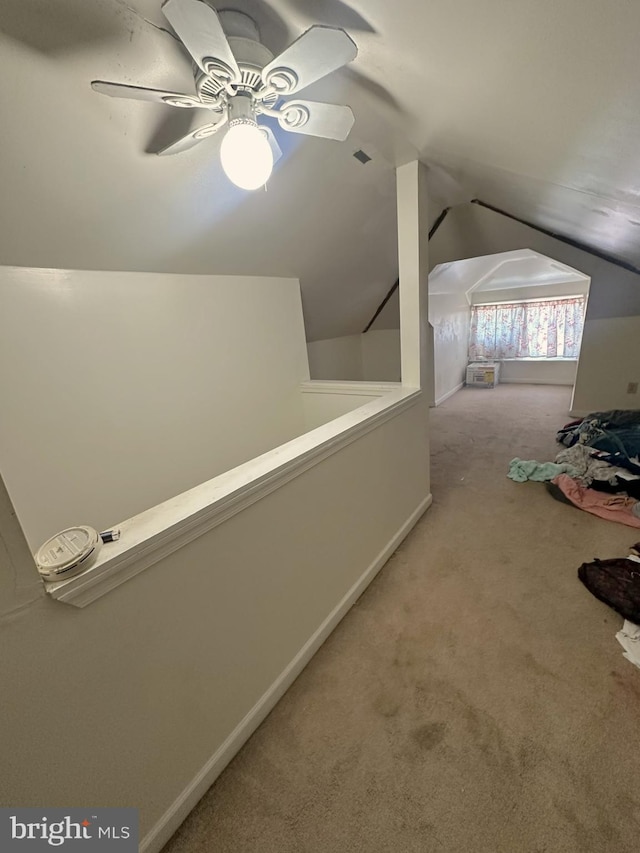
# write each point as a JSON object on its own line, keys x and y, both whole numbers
{"x": 139, "y": 93}
{"x": 331, "y": 121}
{"x": 200, "y": 30}
{"x": 318, "y": 52}
{"x": 192, "y": 138}
{"x": 273, "y": 142}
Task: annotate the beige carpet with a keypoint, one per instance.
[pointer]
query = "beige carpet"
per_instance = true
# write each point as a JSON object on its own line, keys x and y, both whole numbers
{"x": 475, "y": 698}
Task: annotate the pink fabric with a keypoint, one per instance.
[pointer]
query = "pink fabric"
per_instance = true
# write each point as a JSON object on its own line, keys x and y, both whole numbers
{"x": 612, "y": 507}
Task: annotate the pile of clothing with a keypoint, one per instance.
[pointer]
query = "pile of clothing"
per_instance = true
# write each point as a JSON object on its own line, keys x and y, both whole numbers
{"x": 616, "y": 432}
{"x": 599, "y": 469}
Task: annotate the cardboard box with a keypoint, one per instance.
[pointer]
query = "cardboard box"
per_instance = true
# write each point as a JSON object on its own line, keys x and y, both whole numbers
{"x": 483, "y": 374}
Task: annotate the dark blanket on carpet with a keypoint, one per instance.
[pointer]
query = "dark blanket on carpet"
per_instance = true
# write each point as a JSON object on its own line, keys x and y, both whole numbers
{"x": 616, "y": 582}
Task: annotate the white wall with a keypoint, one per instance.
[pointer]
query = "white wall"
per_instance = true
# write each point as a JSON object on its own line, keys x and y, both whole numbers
{"x": 19, "y": 582}
{"x": 336, "y": 358}
{"x": 372, "y": 357}
{"x": 123, "y": 389}
{"x": 153, "y": 678}
{"x": 547, "y": 372}
{"x": 607, "y": 365}
{"x": 381, "y": 355}
{"x": 449, "y": 314}
{"x": 471, "y": 230}
{"x": 321, "y": 407}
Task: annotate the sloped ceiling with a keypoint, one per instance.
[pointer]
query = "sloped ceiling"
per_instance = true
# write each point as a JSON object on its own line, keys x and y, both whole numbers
{"x": 504, "y": 271}
{"x": 532, "y": 106}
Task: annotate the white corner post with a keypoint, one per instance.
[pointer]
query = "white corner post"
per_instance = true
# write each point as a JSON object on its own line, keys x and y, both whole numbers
{"x": 413, "y": 238}
{"x": 19, "y": 580}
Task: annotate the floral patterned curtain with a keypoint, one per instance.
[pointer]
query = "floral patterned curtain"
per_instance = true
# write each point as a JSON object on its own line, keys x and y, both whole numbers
{"x": 547, "y": 329}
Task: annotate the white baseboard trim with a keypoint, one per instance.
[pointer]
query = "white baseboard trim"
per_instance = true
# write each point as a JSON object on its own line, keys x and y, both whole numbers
{"x": 533, "y": 382}
{"x": 449, "y": 394}
{"x": 162, "y": 831}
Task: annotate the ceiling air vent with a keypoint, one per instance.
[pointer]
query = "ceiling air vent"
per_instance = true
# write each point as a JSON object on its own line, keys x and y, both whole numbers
{"x": 362, "y": 156}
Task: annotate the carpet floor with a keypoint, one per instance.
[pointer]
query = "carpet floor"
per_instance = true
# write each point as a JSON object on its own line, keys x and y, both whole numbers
{"x": 475, "y": 698}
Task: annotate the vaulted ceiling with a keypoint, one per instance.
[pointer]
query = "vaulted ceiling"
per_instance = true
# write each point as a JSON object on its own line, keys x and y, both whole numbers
{"x": 504, "y": 271}
{"x": 533, "y": 106}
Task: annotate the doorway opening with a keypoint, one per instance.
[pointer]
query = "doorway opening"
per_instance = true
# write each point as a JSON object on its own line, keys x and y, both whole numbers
{"x": 520, "y": 311}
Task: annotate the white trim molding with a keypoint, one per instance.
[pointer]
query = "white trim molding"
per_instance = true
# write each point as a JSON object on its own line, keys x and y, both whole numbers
{"x": 152, "y": 535}
{"x": 159, "y": 834}
{"x": 366, "y": 389}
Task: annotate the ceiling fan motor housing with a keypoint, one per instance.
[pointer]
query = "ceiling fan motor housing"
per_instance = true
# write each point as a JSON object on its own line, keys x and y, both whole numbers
{"x": 251, "y": 55}
{"x": 241, "y": 109}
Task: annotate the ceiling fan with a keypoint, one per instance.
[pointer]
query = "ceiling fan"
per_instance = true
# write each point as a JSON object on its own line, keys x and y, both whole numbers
{"x": 238, "y": 79}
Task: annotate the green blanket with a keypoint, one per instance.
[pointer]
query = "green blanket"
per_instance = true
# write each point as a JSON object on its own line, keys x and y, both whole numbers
{"x": 522, "y": 470}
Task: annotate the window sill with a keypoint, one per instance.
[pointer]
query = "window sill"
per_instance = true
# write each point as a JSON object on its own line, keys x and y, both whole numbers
{"x": 538, "y": 360}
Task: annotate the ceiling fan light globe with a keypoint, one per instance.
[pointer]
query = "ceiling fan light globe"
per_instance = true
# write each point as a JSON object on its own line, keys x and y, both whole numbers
{"x": 246, "y": 156}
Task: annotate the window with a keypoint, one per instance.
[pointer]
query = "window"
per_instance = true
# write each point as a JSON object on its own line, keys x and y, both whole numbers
{"x": 544, "y": 328}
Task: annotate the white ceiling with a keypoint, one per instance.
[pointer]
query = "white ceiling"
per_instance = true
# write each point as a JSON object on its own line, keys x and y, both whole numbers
{"x": 504, "y": 271}
{"x": 533, "y": 106}
{"x": 531, "y": 271}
